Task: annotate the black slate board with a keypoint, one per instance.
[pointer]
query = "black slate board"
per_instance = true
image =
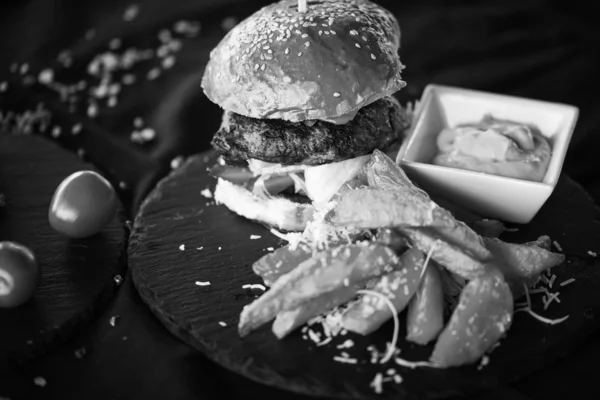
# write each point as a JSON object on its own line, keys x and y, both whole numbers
{"x": 217, "y": 248}
{"x": 78, "y": 276}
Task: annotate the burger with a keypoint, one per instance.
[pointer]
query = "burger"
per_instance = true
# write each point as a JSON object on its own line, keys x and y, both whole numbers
{"x": 307, "y": 89}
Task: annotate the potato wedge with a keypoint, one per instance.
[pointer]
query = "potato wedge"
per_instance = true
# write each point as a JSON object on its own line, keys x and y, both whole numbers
{"x": 372, "y": 208}
{"x": 279, "y": 262}
{"x": 287, "y": 321}
{"x": 368, "y": 313}
{"x": 425, "y": 317}
{"x": 522, "y": 260}
{"x": 328, "y": 270}
{"x": 483, "y": 315}
{"x": 277, "y": 211}
{"x": 384, "y": 174}
{"x": 445, "y": 254}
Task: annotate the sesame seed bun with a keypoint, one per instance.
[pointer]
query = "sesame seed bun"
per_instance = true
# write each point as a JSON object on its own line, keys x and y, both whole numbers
{"x": 324, "y": 64}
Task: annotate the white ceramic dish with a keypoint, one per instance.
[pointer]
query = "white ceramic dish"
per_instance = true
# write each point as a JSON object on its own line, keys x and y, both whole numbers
{"x": 492, "y": 196}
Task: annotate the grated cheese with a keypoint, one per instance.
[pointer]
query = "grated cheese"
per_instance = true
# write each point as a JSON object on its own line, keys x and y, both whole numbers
{"x": 565, "y": 283}
{"x": 254, "y": 286}
{"x": 345, "y": 360}
{"x": 557, "y": 246}
{"x": 388, "y": 302}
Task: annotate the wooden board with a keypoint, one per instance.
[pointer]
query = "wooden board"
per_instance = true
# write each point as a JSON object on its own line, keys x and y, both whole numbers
{"x": 78, "y": 276}
{"x": 181, "y": 237}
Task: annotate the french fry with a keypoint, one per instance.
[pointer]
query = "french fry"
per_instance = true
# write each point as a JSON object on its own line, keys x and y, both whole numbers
{"x": 278, "y": 212}
{"x": 287, "y": 321}
{"x": 326, "y": 271}
{"x": 368, "y": 313}
{"x": 522, "y": 260}
{"x": 445, "y": 254}
{"x": 279, "y": 262}
{"x": 383, "y": 173}
{"x": 489, "y": 228}
{"x": 483, "y": 315}
{"x": 425, "y": 317}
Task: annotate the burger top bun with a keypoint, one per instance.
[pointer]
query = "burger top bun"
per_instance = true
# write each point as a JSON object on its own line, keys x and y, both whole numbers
{"x": 325, "y": 63}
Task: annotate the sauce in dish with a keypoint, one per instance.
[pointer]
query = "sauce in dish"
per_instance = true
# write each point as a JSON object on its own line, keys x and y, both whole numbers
{"x": 495, "y": 146}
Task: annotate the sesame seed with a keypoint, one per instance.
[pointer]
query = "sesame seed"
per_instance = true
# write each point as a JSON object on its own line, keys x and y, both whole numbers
{"x": 336, "y": 94}
{"x": 287, "y": 51}
{"x": 373, "y": 56}
{"x": 300, "y": 54}
{"x": 307, "y": 44}
{"x": 357, "y": 45}
{"x": 262, "y": 67}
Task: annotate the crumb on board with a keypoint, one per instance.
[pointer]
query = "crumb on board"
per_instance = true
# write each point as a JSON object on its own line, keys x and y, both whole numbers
{"x": 118, "y": 279}
{"x": 206, "y": 193}
{"x": 182, "y": 247}
{"x": 270, "y": 248}
{"x": 176, "y": 162}
{"x": 201, "y": 283}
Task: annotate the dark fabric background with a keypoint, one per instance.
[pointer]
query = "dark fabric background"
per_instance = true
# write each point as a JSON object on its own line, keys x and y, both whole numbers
{"x": 539, "y": 49}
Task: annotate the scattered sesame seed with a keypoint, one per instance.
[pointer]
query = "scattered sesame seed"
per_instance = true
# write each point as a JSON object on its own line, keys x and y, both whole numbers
{"x": 131, "y": 12}
{"x": 153, "y": 74}
{"x": 557, "y": 246}
{"x": 373, "y": 56}
{"x": 76, "y": 129}
{"x": 80, "y": 353}
{"x": 336, "y": 94}
{"x": 40, "y": 381}
{"x": 591, "y": 253}
{"x": 200, "y": 283}
{"x": 223, "y": 324}
{"x": 357, "y": 45}
{"x": 182, "y": 247}
{"x": 55, "y": 132}
{"x": 46, "y": 76}
{"x": 90, "y": 34}
{"x": 3, "y": 86}
{"x": 114, "y": 44}
{"x": 24, "y": 68}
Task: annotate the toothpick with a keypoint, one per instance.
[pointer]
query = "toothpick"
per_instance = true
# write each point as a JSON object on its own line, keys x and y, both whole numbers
{"x": 302, "y": 6}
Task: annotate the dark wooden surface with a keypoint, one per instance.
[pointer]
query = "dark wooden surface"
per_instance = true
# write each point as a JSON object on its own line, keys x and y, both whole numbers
{"x": 78, "y": 276}
{"x": 181, "y": 237}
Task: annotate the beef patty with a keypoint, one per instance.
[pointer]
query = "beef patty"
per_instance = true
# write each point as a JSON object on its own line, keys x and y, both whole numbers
{"x": 315, "y": 142}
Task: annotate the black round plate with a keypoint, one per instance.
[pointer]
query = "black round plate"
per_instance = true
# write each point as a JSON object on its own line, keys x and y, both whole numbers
{"x": 181, "y": 237}
{"x": 78, "y": 276}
